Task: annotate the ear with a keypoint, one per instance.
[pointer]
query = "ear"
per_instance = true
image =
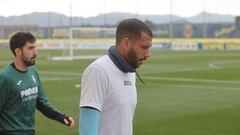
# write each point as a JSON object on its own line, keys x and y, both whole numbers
{"x": 126, "y": 43}
{"x": 18, "y": 51}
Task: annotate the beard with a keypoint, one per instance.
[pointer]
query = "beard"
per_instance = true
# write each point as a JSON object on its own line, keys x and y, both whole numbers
{"x": 132, "y": 58}
{"x": 29, "y": 62}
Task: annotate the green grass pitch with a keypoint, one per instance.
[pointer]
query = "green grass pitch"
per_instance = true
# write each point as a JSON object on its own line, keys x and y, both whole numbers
{"x": 186, "y": 93}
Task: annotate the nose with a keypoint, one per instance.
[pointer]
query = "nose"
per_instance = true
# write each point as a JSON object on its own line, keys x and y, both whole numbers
{"x": 35, "y": 52}
{"x": 147, "y": 53}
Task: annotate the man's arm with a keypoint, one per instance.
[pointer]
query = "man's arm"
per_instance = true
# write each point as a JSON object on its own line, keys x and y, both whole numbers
{"x": 49, "y": 111}
{"x": 94, "y": 87}
{"x": 89, "y": 121}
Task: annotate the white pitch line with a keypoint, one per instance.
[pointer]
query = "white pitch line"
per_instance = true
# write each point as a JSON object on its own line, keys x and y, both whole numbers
{"x": 229, "y": 63}
{"x": 200, "y": 87}
{"x": 77, "y": 85}
{"x": 208, "y": 87}
{"x": 190, "y": 80}
{"x": 212, "y": 65}
{"x": 61, "y": 73}
{"x": 147, "y": 77}
{"x": 55, "y": 79}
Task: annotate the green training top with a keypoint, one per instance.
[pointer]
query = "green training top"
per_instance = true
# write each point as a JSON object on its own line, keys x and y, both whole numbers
{"x": 20, "y": 94}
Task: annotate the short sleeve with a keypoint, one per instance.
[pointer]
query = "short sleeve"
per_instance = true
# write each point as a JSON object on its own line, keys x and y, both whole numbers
{"x": 94, "y": 87}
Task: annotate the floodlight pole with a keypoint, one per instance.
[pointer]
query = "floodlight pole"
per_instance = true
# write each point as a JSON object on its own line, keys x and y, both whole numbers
{"x": 204, "y": 21}
{"x": 104, "y": 13}
{"x": 171, "y": 20}
{"x": 171, "y": 23}
{"x": 70, "y": 30}
{"x": 48, "y": 23}
{"x": 70, "y": 13}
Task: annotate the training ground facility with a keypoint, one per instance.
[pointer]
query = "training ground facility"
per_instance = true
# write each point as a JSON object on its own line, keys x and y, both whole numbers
{"x": 187, "y": 92}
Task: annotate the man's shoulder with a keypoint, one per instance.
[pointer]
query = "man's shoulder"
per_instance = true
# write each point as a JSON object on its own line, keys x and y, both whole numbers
{"x": 4, "y": 73}
{"x": 103, "y": 61}
{"x": 32, "y": 68}
{"x": 5, "y": 70}
{"x": 100, "y": 64}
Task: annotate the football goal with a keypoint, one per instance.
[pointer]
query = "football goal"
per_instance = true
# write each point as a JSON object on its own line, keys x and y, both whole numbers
{"x": 82, "y": 42}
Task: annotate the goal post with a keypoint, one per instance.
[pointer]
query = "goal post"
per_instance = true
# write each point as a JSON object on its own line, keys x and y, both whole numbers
{"x": 86, "y": 38}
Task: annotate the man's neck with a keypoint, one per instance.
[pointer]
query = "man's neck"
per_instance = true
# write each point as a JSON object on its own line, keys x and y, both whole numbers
{"x": 20, "y": 65}
{"x": 121, "y": 52}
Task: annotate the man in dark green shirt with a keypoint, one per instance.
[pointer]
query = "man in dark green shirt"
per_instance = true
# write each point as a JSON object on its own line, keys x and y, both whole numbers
{"x": 21, "y": 91}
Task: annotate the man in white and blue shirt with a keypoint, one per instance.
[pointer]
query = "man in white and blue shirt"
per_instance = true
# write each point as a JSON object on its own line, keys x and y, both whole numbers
{"x": 108, "y": 90}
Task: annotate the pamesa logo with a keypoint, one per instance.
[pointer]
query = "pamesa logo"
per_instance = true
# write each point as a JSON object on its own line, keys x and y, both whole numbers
{"x": 29, "y": 94}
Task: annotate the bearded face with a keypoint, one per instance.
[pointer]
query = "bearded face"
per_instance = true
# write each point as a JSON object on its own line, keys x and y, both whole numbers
{"x": 132, "y": 58}
{"x": 139, "y": 50}
{"x": 29, "y": 61}
{"x": 28, "y": 54}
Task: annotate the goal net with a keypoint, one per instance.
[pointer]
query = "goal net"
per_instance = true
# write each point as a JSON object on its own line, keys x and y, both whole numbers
{"x": 82, "y": 43}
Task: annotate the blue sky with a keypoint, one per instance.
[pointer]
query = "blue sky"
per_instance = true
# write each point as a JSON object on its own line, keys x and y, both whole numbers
{"x": 86, "y": 8}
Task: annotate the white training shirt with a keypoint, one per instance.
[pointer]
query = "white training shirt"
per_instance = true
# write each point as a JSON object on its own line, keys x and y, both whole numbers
{"x": 111, "y": 91}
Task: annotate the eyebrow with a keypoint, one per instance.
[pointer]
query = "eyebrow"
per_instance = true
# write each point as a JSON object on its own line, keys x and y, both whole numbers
{"x": 31, "y": 46}
{"x": 147, "y": 45}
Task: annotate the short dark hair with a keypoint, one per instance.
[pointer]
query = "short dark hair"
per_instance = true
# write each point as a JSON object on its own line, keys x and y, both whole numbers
{"x": 19, "y": 39}
{"x": 132, "y": 29}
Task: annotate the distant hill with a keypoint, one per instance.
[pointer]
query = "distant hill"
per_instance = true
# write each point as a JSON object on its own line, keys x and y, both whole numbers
{"x": 53, "y": 19}
{"x": 212, "y": 18}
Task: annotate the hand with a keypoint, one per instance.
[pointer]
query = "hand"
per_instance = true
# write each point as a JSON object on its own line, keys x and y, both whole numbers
{"x": 69, "y": 121}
